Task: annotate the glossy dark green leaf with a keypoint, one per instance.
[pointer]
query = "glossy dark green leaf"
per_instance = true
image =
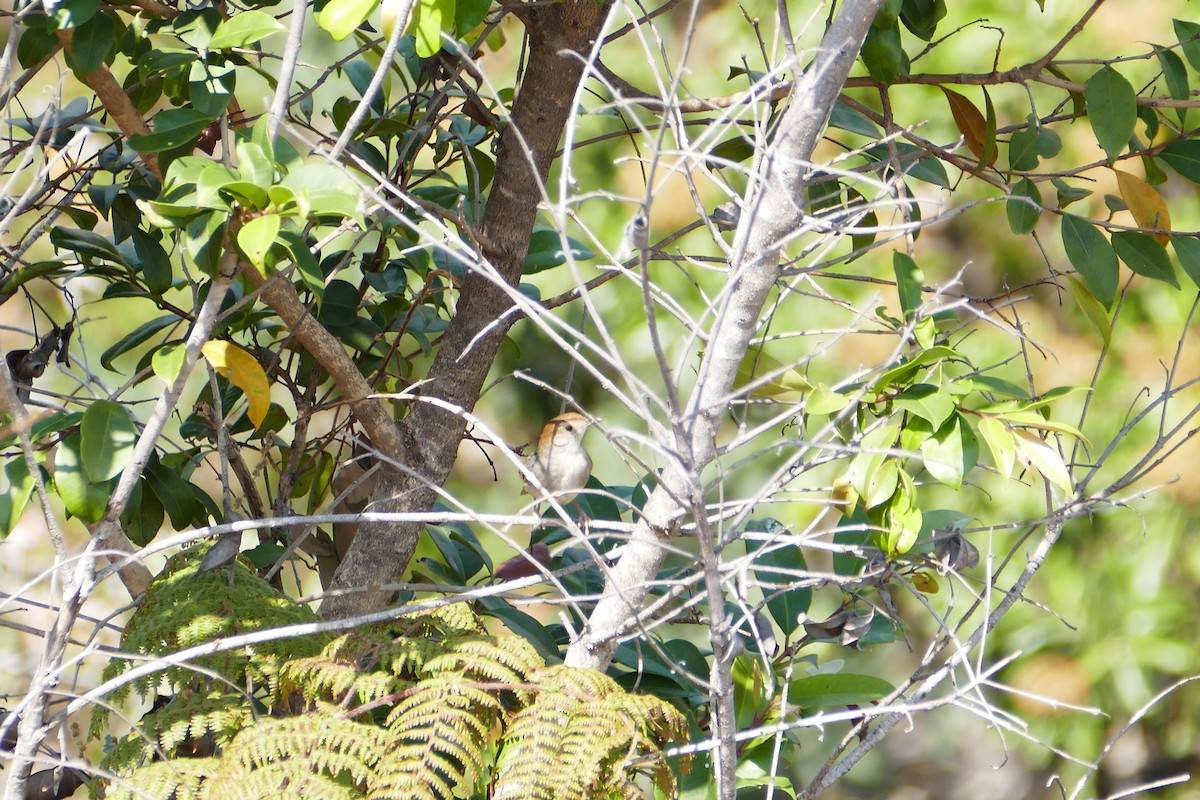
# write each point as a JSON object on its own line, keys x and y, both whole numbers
{"x": 525, "y": 626}
{"x": 1189, "y": 37}
{"x": 921, "y": 17}
{"x": 143, "y": 516}
{"x": 87, "y": 244}
{"x": 913, "y": 162}
{"x": 1022, "y": 149}
{"x": 1093, "y": 257}
{"x": 35, "y": 45}
{"x": 196, "y": 26}
{"x": 546, "y": 251}
{"x": 93, "y": 42}
{"x": 882, "y": 53}
{"x": 778, "y": 570}
{"x": 1024, "y": 207}
{"x": 1067, "y": 193}
{"x": 173, "y": 128}
{"x": 305, "y": 261}
{"x": 847, "y": 119}
{"x": 153, "y": 262}
{"x": 1143, "y": 254}
{"x": 136, "y": 337}
{"x": 107, "y": 437}
{"x": 837, "y": 689}
{"x": 71, "y": 13}
{"x": 1187, "y": 248}
{"x": 468, "y": 14}
{"x": 888, "y": 13}
{"x": 1112, "y": 110}
{"x": 1183, "y": 156}
{"x": 340, "y": 306}
{"x": 730, "y": 151}
{"x": 176, "y": 495}
{"x": 909, "y": 282}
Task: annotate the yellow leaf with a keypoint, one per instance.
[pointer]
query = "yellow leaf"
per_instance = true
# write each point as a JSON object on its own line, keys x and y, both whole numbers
{"x": 971, "y": 124}
{"x": 1145, "y": 203}
{"x": 242, "y": 369}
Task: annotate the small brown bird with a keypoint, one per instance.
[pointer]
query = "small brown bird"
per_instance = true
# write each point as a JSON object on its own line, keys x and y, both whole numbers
{"x": 559, "y": 460}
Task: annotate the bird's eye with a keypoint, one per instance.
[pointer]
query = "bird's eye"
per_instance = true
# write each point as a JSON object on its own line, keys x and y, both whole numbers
{"x": 569, "y": 426}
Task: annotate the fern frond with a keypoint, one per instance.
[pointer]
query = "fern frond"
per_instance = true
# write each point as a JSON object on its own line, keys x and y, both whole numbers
{"x": 441, "y": 731}
{"x": 178, "y": 779}
{"x": 503, "y": 659}
{"x": 321, "y": 754}
{"x": 585, "y": 737}
{"x": 187, "y": 718}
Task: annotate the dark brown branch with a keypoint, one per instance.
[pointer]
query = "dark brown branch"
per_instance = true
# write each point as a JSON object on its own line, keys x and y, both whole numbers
{"x": 561, "y": 37}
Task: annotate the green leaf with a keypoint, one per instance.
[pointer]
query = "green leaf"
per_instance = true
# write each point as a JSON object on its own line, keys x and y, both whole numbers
{"x": 154, "y": 263}
{"x": 1037, "y": 453}
{"x": 928, "y": 402}
{"x": 1091, "y": 308}
{"x": 1067, "y": 193}
{"x": 909, "y": 281}
{"x": 306, "y": 263}
{"x": 1022, "y": 149}
{"x": 468, "y": 14}
{"x": 323, "y": 190}
{"x": 1112, "y": 110}
{"x": 107, "y": 438}
{"x": 71, "y": 13}
{"x": 777, "y": 570}
{"x": 1187, "y": 33}
{"x": 135, "y": 338}
{"x": 243, "y": 28}
{"x": 1142, "y": 253}
{"x": 1187, "y": 248}
{"x": 210, "y": 88}
{"x": 922, "y": 17}
{"x": 900, "y": 374}
{"x": 341, "y": 17}
{"x": 999, "y": 441}
{"x": 1024, "y": 207}
{"x": 1174, "y": 72}
{"x": 882, "y": 53}
{"x": 429, "y": 19}
{"x": 143, "y": 516}
{"x": 1093, "y": 257}
{"x": 1183, "y": 156}
{"x": 847, "y": 119}
{"x": 546, "y": 251}
{"x": 254, "y": 165}
{"x": 256, "y": 238}
{"x": 92, "y": 43}
{"x": 14, "y": 499}
{"x": 204, "y": 240}
{"x": 951, "y": 452}
{"x": 175, "y": 494}
{"x": 173, "y": 128}
{"x": 87, "y": 244}
{"x": 839, "y": 689}
{"x": 82, "y": 498}
{"x": 167, "y": 361}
